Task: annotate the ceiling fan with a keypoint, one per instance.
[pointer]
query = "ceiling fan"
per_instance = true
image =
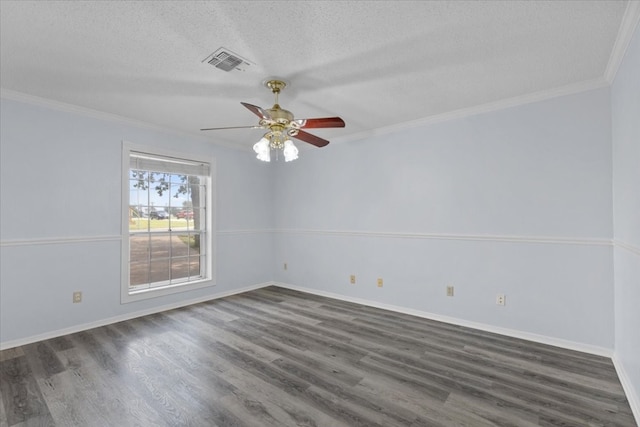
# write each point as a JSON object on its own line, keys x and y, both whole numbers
{"x": 280, "y": 125}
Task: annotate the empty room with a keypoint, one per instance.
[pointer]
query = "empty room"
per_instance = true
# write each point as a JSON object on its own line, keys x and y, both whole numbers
{"x": 320, "y": 213}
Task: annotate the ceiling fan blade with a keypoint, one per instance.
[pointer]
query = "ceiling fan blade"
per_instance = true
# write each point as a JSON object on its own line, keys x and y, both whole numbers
{"x": 234, "y": 127}
{"x": 311, "y": 139}
{"x": 257, "y": 110}
{"x": 325, "y": 122}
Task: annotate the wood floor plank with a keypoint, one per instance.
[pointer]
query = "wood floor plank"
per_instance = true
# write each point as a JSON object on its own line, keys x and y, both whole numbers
{"x": 278, "y": 357}
{"x": 596, "y": 366}
{"x": 74, "y": 385}
{"x": 3, "y": 414}
{"x": 43, "y": 359}
{"x": 21, "y": 396}
{"x": 278, "y": 403}
{"x": 584, "y": 379}
{"x": 370, "y": 406}
{"x": 11, "y": 353}
{"x": 496, "y": 415}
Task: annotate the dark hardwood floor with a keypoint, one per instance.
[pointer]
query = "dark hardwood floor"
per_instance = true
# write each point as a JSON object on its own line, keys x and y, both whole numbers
{"x": 275, "y": 357}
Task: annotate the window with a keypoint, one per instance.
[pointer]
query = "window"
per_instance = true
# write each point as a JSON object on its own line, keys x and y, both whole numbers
{"x": 166, "y": 224}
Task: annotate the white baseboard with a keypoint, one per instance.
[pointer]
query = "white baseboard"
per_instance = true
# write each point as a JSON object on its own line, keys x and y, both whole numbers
{"x": 571, "y": 345}
{"x": 629, "y": 391}
{"x": 557, "y": 342}
{"x": 103, "y": 322}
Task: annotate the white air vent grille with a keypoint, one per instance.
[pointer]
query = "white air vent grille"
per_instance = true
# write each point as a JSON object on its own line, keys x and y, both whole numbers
{"x": 226, "y": 60}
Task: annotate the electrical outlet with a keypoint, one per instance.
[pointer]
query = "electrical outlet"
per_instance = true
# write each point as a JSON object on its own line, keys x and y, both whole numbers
{"x": 380, "y": 282}
{"x": 77, "y": 297}
{"x": 285, "y": 265}
{"x": 353, "y": 279}
{"x": 501, "y": 299}
{"x": 450, "y": 291}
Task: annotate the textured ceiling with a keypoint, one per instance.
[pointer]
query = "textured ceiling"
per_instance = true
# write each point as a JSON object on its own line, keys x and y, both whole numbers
{"x": 376, "y": 64}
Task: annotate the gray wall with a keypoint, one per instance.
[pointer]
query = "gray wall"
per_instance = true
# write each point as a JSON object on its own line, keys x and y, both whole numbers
{"x": 516, "y": 201}
{"x": 61, "y": 210}
{"x": 626, "y": 208}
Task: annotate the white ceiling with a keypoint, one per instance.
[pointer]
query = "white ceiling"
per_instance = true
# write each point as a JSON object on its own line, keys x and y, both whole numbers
{"x": 376, "y": 64}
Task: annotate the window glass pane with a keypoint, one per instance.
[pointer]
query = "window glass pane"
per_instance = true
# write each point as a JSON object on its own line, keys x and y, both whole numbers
{"x": 195, "y": 264}
{"x": 183, "y": 217}
{"x": 139, "y": 247}
{"x": 160, "y": 270}
{"x": 138, "y": 202}
{"x": 138, "y": 175}
{"x": 199, "y": 219}
{"x": 187, "y": 267}
{"x": 183, "y": 244}
{"x": 159, "y": 191}
{"x": 197, "y": 193}
{"x": 137, "y": 220}
{"x": 167, "y": 220}
{"x": 178, "y": 179}
{"x": 180, "y": 196}
{"x": 159, "y": 221}
{"x": 160, "y": 245}
{"x": 138, "y": 197}
{"x": 139, "y": 224}
{"x": 138, "y": 273}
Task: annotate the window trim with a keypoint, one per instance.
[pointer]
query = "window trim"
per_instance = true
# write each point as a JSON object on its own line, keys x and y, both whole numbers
{"x": 209, "y": 280}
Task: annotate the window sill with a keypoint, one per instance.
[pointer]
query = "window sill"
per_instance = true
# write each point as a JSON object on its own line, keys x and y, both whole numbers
{"x": 144, "y": 294}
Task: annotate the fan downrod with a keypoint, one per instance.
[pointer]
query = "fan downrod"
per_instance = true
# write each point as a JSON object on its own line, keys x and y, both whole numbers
{"x": 278, "y": 116}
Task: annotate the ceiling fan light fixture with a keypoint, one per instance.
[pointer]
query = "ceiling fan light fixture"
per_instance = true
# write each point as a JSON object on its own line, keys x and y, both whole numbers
{"x": 290, "y": 151}
{"x": 263, "y": 149}
{"x": 282, "y": 126}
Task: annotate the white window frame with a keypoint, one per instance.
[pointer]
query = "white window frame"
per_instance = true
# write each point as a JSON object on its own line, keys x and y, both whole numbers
{"x": 126, "y": 294}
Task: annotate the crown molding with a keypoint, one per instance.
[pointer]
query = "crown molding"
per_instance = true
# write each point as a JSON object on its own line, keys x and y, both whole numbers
{"x": 502, "y": 104}
{"x": 630, "y": 21}
{"x": 110, "y": 117}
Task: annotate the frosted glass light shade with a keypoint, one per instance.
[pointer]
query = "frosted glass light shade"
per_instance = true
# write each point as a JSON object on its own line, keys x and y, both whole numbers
{"x": 290, "y": 151}
{"x": 262, "y": 150}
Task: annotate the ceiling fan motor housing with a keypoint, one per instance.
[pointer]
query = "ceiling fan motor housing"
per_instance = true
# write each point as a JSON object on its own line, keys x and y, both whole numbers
{"x": 281, "y": 120}
{"x": 280, "y": 115}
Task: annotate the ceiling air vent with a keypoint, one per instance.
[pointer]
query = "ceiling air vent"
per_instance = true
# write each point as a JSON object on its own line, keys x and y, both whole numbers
{"x": 226, "y": 60}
